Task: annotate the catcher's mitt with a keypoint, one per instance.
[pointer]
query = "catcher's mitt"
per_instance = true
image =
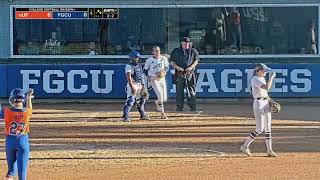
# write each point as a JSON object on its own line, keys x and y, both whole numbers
{"x": 274, "y": 106}
{"x": 161, "y": 74}
{"x": 145, "y": 93}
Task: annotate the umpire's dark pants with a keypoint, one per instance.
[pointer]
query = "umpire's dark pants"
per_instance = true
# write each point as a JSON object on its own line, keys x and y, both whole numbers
{"x": 189, "y": 82}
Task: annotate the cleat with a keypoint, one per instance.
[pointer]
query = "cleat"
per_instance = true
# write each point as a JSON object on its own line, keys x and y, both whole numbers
{"x": 193, "y": 109}
{"x": 125, "y": 120}
{"x": 145, "y": 118}
{"x": 271, "y": 154}
{"x": 245, "y": 150}
{"x": 164, "y": 116}
{"x": 179, "y": 109}
{"x": 9, "y": 178}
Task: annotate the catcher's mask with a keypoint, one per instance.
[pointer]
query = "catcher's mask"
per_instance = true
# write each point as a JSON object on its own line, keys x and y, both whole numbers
{"x": 17, "y": 95}
{"x": 134, "y": 57}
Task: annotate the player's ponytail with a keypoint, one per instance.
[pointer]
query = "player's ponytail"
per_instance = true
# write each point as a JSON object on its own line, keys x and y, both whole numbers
{"x": 255, "y": 72}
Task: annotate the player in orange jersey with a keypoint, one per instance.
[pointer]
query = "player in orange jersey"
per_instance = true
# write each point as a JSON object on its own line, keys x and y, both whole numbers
{"x": 16, "y": 120}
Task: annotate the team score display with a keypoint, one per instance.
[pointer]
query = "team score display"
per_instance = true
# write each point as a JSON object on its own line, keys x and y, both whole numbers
{"x": 66, "y": 13}
{"x": 16, "y": 127}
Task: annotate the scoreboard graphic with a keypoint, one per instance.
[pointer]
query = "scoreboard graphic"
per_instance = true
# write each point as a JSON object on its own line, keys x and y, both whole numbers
{"x": 66, "y": 13}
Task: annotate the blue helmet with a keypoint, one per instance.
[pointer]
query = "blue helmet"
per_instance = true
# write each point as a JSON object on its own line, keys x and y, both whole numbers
{"x": 16, "y": 94}
{"x": 134, "y": 54}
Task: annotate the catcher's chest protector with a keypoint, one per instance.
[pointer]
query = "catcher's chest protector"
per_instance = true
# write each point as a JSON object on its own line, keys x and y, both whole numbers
{"x": 137, "y": 73}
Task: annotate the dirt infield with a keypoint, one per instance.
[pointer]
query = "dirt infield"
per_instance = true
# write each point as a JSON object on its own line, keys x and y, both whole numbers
{"x": 89, "y": 141}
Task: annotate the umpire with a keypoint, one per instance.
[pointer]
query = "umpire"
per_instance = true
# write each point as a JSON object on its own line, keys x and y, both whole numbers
{"x": 184, "y": 60}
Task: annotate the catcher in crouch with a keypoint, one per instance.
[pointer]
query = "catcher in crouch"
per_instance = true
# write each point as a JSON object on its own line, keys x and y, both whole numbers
{"x": 135, "y": 88}
{"x": 156, "y": 68}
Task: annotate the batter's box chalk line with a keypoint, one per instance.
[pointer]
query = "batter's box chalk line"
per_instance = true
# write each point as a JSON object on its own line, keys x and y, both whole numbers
{"x": 192, "y": 114}
{"x": 198, "y": 113}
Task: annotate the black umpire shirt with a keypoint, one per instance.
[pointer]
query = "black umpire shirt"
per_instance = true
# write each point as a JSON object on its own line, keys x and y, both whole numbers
{"x": 184, "y": 58}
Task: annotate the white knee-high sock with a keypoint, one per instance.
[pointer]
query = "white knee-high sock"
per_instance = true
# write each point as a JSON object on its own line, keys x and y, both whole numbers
{"x": 161, "y": 106}
{"x": 248, "y": 142}
{"x": 268, "y": 141}
{"x": 250, "y": 138}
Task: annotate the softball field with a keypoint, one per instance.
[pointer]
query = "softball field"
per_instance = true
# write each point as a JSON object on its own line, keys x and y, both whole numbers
{"x": 89, "y": 141}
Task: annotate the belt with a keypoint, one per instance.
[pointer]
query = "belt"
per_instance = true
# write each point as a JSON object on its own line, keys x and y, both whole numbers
{"x": 262, "y": 98}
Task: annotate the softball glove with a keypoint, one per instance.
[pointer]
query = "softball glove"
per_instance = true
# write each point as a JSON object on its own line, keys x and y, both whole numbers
{"x": 274, "y": 106}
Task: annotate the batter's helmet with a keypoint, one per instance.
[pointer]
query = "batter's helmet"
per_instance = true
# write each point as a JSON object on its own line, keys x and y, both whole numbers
{"x": 17, "y": 94}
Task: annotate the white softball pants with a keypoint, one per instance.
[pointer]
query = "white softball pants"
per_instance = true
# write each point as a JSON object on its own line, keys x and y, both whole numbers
{"x": 262, "y": 115}
{"x": 138, "y": 87}
{"x": 160, "y": 88}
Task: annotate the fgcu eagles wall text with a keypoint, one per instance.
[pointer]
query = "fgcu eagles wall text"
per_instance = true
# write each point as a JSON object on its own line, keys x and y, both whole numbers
{"x": 108, "y": 81}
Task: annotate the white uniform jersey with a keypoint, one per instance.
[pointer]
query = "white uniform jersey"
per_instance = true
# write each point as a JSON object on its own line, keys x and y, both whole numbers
{"x": 155, "y": 65}
{"x": 257, "y": 91}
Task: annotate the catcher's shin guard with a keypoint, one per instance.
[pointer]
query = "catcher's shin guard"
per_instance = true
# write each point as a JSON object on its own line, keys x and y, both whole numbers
{"x": 127, "y": 107}
{"x": 140, "y": 107}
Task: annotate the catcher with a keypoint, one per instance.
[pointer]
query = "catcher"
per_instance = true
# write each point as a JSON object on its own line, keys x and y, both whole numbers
{"x": 156, "y": 69}
{"x": 263, "y": 106}
{"x": 135, "y": 88}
